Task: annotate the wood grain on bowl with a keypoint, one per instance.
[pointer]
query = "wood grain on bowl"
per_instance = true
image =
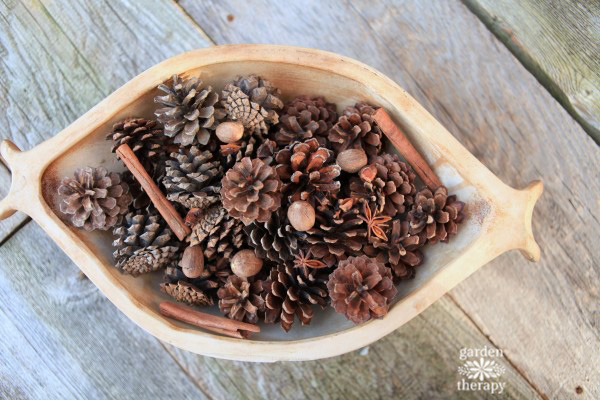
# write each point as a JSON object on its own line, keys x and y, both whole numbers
{"x": 492, "y": 206}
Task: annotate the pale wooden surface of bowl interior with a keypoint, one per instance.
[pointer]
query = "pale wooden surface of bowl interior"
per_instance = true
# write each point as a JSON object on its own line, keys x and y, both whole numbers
{"x": 293, "y": 80}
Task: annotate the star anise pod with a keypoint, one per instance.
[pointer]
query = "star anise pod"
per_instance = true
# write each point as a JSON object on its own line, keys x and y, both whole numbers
{"x": 376, "y": 223}
{"x": 304, "y": 262}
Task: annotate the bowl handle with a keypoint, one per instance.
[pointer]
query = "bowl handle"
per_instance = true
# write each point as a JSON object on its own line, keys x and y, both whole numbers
{"x": 526, "y": 242}
{"x": 10, "y": 152}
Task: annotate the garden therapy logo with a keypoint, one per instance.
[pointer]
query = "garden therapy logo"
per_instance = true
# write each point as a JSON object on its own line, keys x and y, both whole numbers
{"x": 480, "y": 370}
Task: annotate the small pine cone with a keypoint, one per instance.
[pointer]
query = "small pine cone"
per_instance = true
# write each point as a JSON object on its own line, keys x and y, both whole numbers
{"x": 436, "y": 214}
{"x": 95, "y": 198}
{"x": 252, "y": 101}
{"x": 308, "y": 170}
{"x": 304, "y": 118}
{"x": 289, "y": 292}
{"x": 188, "y": 111}
{"x": 275, "y": 239}
{"x": 198, "y": 291}
{"x": 141, "y": 200}
{"x": 391, "y": 187}
{"x": 240, "y": 299}
{"x": 144, "y": 243}
{"x": 361, "y": 288}
{"x": 251, "y": 191}
{"x": 356, "y": 129}
{"x": 187, "y": 293}
{"x": 192, "y": 178}
{"x": 338, "y": 232}
{"x": 144, "y": 137}
{"x": 400, "y": 253}
{"x": 219, "y": 233}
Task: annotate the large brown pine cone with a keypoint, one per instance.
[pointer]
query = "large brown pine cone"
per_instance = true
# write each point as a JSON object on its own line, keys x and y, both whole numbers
{"x": 145, "y": 138}
{"x": 192, "y": 178}
{"x": 95, "y": 198}
{"x": 144, "y": 243}
{"x": 252, "y": 101}
{"x": 240, "y": 299}
{"x": 361, "y": 288}
{"x": 338, "y": 232}
{"x": 435, "y": 214}
{"x": 275, "y": 239}
{"x": 401, "y": 252}
{"x": 356, "y": 129}
{"x": 188, "y": 111}
{"x": 306, "y": 117}
{"x": 251, "y": 191}
{"x": 218, "y": 232}
{"x": 308, "y": 171}
{"x": 388, "y": 183}
{"x": 289, "y": 292}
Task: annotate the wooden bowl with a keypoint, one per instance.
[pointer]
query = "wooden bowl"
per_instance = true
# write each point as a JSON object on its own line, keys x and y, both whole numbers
{"x": 498, "y": 217}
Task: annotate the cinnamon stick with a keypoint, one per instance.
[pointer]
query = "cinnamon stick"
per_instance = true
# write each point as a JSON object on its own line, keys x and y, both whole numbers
{"x": 235, "y": 334}
{"x": 406, "y": 149}
{"x": 203, "y": 320}
{"x": 164, "y": 206}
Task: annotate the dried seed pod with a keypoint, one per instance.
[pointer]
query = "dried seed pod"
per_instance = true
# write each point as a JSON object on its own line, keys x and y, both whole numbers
{"x": 245, "y": 264}
{"x": 301, "y": 215}
{"x": 230, "y": 132}
{"x": 352, "y": 160}
{"x": 192, "y": 262}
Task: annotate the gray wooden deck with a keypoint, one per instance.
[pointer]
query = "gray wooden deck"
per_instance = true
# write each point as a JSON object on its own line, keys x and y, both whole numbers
{"x": 61, "y": 339}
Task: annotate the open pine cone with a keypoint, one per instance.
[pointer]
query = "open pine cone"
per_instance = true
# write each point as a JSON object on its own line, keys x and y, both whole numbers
{"x": 289, "y": 292}
{"x": 144, "y": 243}
{"x": 275, "y": 239}
{"x": 218, "y": 232}
{"x": 240, "y": 299}
{"x": 192, "y": 178}
{"x": 188, "y": 111}
{"x": 144, "y": 137}
{"x": 251, "y": 191}
{"x": 388, "y": 183}
{"x": 361, "y": 288}
{"x": 356, "y": 129}
{"x": 308, "y": 171}
{"x": 338, "y": 232}
{"x": 252, "y": 101}
{"x": 306, "y": 117}
{"x": 95, "y": 198}
{"x": 436, "y": 214}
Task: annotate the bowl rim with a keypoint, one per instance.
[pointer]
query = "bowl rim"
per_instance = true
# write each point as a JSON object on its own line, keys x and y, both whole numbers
{"x": 506, "y": 205}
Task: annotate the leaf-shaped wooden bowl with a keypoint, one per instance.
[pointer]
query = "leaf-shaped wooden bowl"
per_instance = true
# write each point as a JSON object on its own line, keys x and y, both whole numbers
{"x": 498, "y": 216}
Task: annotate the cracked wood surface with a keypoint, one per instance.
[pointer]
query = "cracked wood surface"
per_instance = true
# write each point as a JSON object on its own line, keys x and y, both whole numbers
{"x": 73, "y": 343}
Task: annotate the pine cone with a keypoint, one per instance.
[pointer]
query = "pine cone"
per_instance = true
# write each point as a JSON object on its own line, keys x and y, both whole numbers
{"x": 140, "y": 198}
{"x": 193, "y": 178}
{"x": 308, "y": 170}
{"x": 400, "y": 253}
{"x": 356, "y": 129}
{"x": 305, "y": 118}
{"x": 275, "y": 239}
{"x": 187, "y": 293}
{"x": 144, "y": 243}
{"x": 198, "y": 291}
{"x": 188, "y": 111}
{"x": 240, "y": 300}
{"x": 95, "y": 198}
{"x": 435, "y": 214}
{"x": 361, "y": 288}
{"x": 219, "y": 233}
{"x": 144, "y": 137}
{"x": 289, "y": 292}
{"x": 338, "y": 232}
{"x": 388, "y": 183}
{"x": 252, "y": 101}
{"x": 234, "y": 152}
{"x": 251, "y": 191}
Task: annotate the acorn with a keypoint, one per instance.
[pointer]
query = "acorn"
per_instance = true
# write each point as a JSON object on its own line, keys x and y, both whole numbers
{"x": 301, "y": 215}
{"x": 229, "y": 131}
{"x": 245, "y": 264}
{"x": 352, "y": 160}
{"x": 192, "y": 262}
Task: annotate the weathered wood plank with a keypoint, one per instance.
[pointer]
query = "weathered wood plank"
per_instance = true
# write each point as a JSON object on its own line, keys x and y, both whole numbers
{"x": 9, "y": 225}
{"x": 441, "y": 54}
{"x": 62, "y": 339}
{"x": 559, "y": 42}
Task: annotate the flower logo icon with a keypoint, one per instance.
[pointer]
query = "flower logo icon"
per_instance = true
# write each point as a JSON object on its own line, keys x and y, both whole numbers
{"x": 482, "y": 369}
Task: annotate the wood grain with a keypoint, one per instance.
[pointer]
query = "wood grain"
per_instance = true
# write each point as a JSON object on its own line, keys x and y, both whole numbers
{"x": 559, "y": 42}
{"x": 443, "y": 56}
